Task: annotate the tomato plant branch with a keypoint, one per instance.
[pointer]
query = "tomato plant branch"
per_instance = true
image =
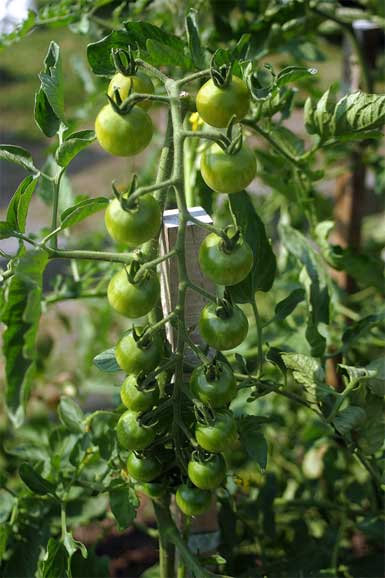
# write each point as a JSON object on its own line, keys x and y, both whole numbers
{"x": 218, "y": 138}
{"x": 192, "y": 77}
{"x": 258, "y": 325}
{"x": 202, "y": 291}
{"x": 149, "y": 189}
{"x": 90, "y": 255}
{"x": 55, "y": 206}
{"x": 152, "y": 71}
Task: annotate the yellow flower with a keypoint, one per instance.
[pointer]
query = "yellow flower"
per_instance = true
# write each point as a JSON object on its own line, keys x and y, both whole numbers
{"x": 196, "y": 121}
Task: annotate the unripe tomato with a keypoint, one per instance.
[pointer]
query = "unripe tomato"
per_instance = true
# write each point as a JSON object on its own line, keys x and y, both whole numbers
{"x": 207, "y": 474}
{"x": 223, "y": 266}
{"x": 123, "y": 135}
{"x": 143, "y": 468}
{"x": 214, "y": 385}
{"x": 216, "y": 105}
{"x": 132, "y": 435}
{"x": 133, "y": 357}
{"x": 133, "y": 299}
{"x": 218, "y": 435}
{"x": 139, "y": 82}
{"x": 192, "y": 501}
{"x": 228, "y": 173}
{"x": 223, "y": 331}
{"x": 135, "y": 226}
{"x": 138, "y": 399}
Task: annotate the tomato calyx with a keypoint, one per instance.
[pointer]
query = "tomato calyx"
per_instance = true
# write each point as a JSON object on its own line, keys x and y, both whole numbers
{"x": 142, "y": 339}
{"x": 220, "y": 74}
{"x": 123, "y": 197}
{"x": 124, "y": 61}
{"x": 145, "y": 382}
{"x": 231, "y": 238}
{"x": 224, "y": 309}
{"x": 213, "y": 371}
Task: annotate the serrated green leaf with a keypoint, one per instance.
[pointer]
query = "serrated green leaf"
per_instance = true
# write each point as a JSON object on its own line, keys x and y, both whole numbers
{"x": 56, "y": 561}
{"x": 19, "y": 204}
{"x": 376, "y": 384}
{"x": 355, "y": 330}
{"x": 293, "y": 73}
{"x": 274, "y": 356}
{"x": 194, "y": 42}
{"x": 19, "y": 156}
{"x": 288, "y": 141}
{"x": 262, "y": 275}
{"x": 348, "y": 419}
{"x": 73, "y": 145}
{"x": 81, "y": 211}
{"x": 35, "y": 482}
{"x": 49, "y": 100}
{"x": 71, "y": 415}
{"x": 253, "y": 440}
{"x": 5, "y": 230}
{"x": 285, "y": 307}
{"x": 106, "y": 361}
{"x": 315, "y": 283}
{"x": 124, "y": 503}
{"x": 371, "y": 433}
{"x": 21, "y": 315}
{"x": 356, "y": 373}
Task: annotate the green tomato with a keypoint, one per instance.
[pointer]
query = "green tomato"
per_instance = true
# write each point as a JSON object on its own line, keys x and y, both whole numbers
{"x": 135, "y": 226}
{"x": 132, "y": 435}
{"x": 228, "y": 173}
{"x": 192, "y": 501}
{"x": 137, "y": 399}
{"x": 223, "y": 266}
{"x": 224, "y": 330}
{"x": 139, "y": 82}
{"x": 218, "y": 435}
{"x": 123, "y": 135}
{"x": 133, "y": 299}
{"x": 134, "y": 358}
{"x": 143, "y": 468}
{"x": 216, "y": 105}
{"x": 207, "y": 474}
{"x": 214, "y": 385}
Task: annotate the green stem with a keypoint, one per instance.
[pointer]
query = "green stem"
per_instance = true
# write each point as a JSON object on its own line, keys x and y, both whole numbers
{"x": 201, "y": 291}
{"x": 149, "y": 189}
{"x": 90, "y": 255}
{"x": 267, "y": 136}
{"x": 218, "y": 138}
{"x": 50, "y": 299}
{"x": 192, "y": 77}
{"x": 55, "y": 206}
{"x": 258, "y": 325}
{"x": 170, "y": 534}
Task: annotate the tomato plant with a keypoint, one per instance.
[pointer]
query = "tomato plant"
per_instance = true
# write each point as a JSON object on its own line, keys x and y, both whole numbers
{"x": 262, "y": 406}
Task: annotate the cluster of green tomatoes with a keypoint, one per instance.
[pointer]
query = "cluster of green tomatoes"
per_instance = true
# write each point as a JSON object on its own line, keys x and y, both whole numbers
{"x": 134, "y": 292}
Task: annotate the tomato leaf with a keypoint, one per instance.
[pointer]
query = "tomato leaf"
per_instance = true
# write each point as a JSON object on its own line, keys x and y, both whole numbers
{"x": 49, "y": 101}
{"x": 56, "y": 560}
{"x": 35, "y": 482}
{"x": 253, "y": 440}
{"x": 262, "y": 275}
{"x": 71, "y": 415}
{"x": 293, "y": 73}
{"x": 72, "y": 146}
{"x": 81, "y": 211}
{"x": 315, "y": 282}
{"x": 355, "y": 330}
{"x": 21, "y": 315}
{"x": 106, "y": 361}
{"x": 348, "y": 419}
{"x": 5, "y": 230}
{"x": 285, "y": 307}
{"x": 194, "y": 42}
{"x": 19, "y": 204}
{"x": 124, "y": 503}
{"x": 19, "y": 156}
{"x": 376, "y": 384}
